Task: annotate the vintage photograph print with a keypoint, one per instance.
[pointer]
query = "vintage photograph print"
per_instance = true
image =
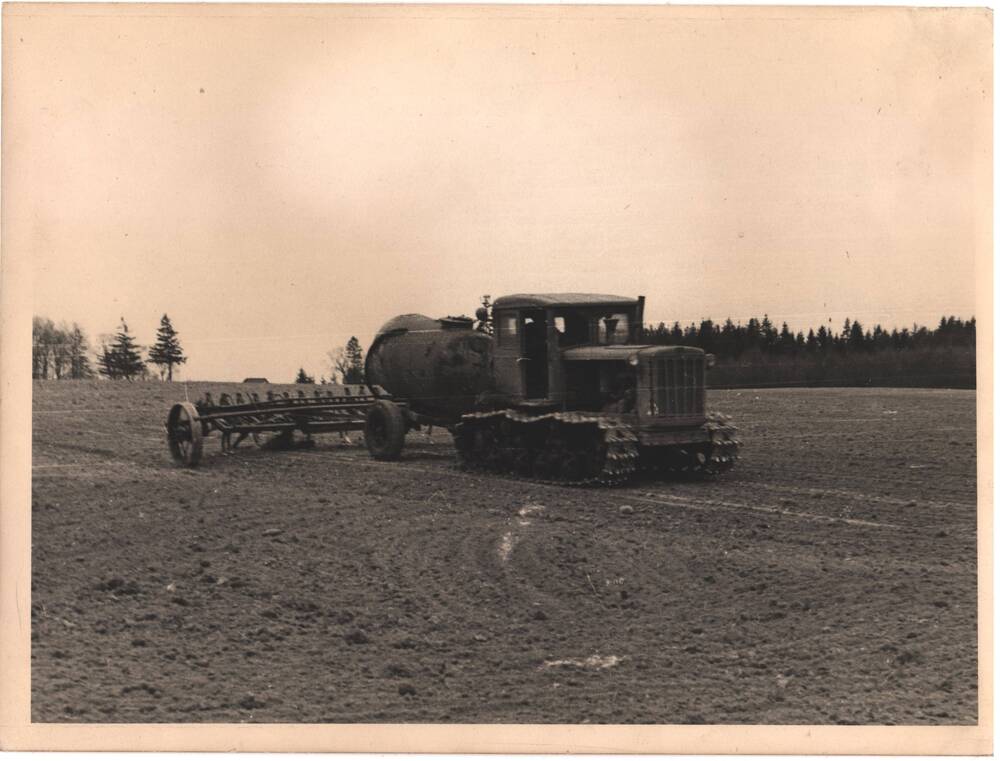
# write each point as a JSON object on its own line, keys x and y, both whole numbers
{"x": 531, "y": 365}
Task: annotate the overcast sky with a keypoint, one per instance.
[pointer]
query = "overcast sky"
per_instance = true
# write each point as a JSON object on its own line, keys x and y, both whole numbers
{"x": 279, "y": 179}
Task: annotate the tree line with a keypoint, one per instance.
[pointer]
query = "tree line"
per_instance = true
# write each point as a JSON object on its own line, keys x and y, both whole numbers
{"x": 761, "y": 354}
{"x": 63, "y": 351}
{"x": 755, "y": 354}
{"x": 59, "y": 351}
{"x": 732, "y": 340}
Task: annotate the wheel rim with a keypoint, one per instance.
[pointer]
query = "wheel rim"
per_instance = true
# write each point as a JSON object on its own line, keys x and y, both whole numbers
{"x": 181, "y": 432}
{"x": 184, "y": 434}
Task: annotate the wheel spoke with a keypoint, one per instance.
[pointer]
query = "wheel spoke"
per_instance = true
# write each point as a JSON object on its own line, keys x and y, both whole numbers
{"x": 184, "y": 434}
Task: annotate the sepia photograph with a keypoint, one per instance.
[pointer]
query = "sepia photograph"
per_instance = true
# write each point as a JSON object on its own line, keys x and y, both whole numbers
{"x": 527, "y": 367}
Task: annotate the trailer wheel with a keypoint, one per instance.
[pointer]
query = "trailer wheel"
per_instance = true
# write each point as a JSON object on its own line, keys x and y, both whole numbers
{"x": 184, "y": 434}
{"x": 385, "y": 430}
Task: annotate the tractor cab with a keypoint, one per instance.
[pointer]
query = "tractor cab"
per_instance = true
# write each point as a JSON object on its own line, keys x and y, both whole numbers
{"x": 532, "y": 332}
{"x": 581, "y": 352}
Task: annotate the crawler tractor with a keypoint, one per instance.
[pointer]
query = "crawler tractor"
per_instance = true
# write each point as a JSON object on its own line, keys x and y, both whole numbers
{"x": 561, "y": 391}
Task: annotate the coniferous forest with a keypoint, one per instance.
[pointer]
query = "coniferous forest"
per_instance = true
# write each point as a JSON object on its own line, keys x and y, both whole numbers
{"x": 752, "y": 355}
{"x": 760, "y": 354}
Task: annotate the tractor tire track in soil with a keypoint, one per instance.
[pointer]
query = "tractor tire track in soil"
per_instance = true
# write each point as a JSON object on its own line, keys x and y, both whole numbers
{"x": 830, "y": 578}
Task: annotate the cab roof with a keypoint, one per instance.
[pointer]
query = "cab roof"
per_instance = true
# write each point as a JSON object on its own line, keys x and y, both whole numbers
{"x": 528, "y": 300}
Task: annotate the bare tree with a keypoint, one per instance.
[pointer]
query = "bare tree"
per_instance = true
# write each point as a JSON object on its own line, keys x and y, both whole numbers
{"x": 347, "y": 362}
{"x": 43, "y": 334}
{"x": 78, "y": 347}
{"x": 62, "y": 354}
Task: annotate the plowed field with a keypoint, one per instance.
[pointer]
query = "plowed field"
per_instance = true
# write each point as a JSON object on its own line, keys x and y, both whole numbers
{"x": 830, "y": 578}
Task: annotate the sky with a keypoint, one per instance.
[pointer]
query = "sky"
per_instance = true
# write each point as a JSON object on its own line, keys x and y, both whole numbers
{"x": 278, "y": 179}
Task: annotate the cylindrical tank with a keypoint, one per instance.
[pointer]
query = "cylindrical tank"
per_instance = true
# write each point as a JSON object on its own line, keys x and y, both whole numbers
{"x": 438, "y": 366}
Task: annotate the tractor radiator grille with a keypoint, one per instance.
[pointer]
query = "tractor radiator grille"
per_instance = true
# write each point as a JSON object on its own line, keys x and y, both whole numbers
{"x": 677, "y": 386}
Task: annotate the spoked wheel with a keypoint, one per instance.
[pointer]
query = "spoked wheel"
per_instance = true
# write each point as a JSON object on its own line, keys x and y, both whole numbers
{"x": 184, "y": 434}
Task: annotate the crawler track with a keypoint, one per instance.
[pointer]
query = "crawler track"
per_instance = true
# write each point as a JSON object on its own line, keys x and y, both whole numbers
{"x": 566, "y": 448}
{"x": 580, "y": 449}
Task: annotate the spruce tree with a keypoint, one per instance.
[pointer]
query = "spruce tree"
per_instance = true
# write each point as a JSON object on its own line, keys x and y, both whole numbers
{"x": 823, "y": 339}
{"x": 125, "y": 354}
{"x": 786, "y": 341}
{"x": 752, "y": 338}
{"x": 107, "y": 363}
{"x": 706, "y": 335}
{"x": 304, "y": 377}
{"x": 811, "y": 341}
{"x": 768, "y": 334}
{"x": 355, "y": 372}
{"x": 166, "y": 352}
{"x": 856, "y": 336}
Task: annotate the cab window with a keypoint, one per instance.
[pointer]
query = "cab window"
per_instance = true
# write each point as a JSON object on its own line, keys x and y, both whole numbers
{"x": 613, "y": 328}
{"x": 506, "y": 328}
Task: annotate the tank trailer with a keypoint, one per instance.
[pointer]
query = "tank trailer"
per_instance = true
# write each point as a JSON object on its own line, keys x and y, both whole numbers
{"x": 552, "y": 387}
